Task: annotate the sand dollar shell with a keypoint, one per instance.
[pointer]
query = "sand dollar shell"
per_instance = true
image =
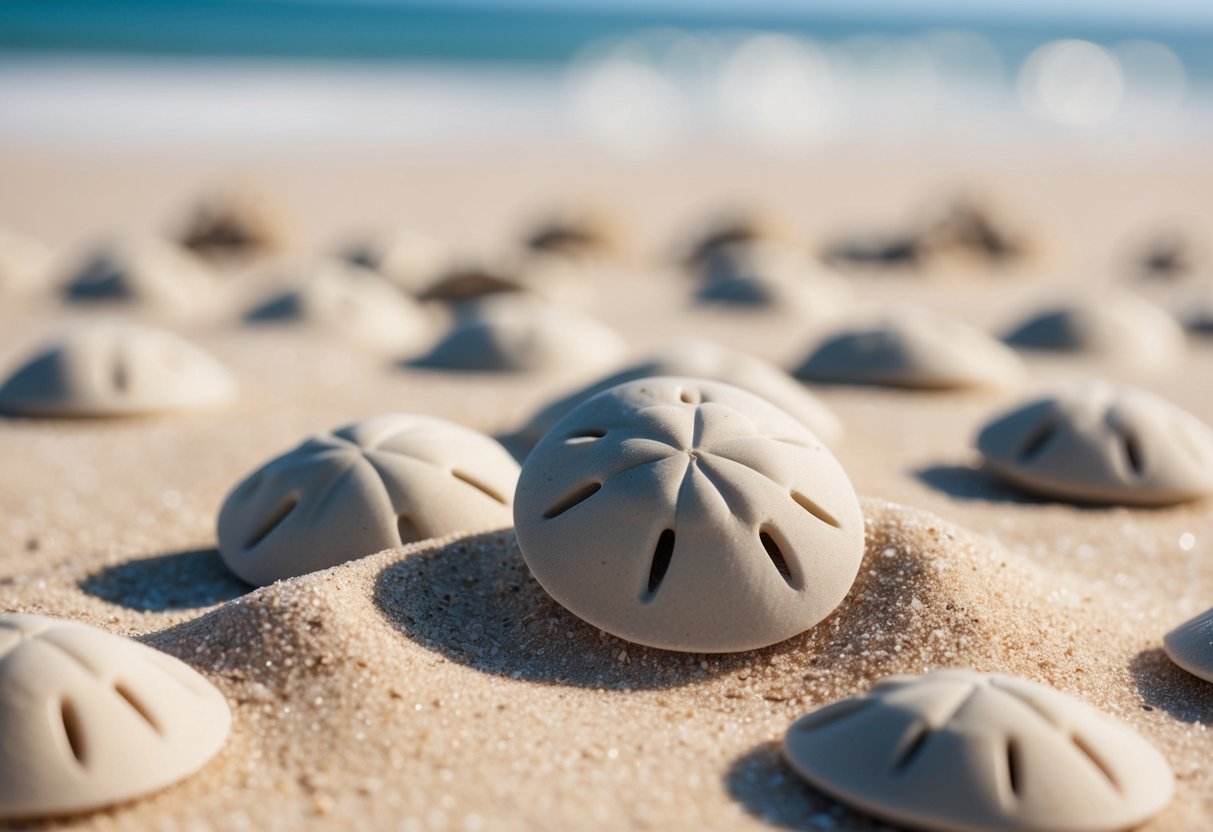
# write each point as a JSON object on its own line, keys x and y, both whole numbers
{"x": 966, "y": 751}
{"x": 1190, "y": 645}
{"x": 1114, "y": 325}
{"x": 117, "y": 370}
{"x": 365, "y": 487}
{"x": 89, "y": 719}
{"x": 703, "y": 359}
{"x": 689, "y": 515}
{"x": 351, "y": 302}
{"x": 769, "y": 276}
{"x": 409, "y": 259}
{"x": 524, "y": 337}
{"x": 913, "y": 348}
{"x": 153, "y": 274}
{"x": 1097, "y": 442}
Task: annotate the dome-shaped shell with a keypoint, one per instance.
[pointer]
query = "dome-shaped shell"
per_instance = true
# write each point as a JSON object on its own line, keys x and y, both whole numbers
{"x": 769, "y": 276}
{"x": 88, "y": 719}
{"x": 351, "y": 302}
{"x": 117, "y": 370}
{"x": 703, "y": 359}
{"x": 365, "y": 487}
{"x": 524, "y": 337}
{"x": 147, "y": 272}
{"x": 1097, "y": 442}
{"x": 1114, "y": 325}
{"x": 913, "y": 348}
{"x": 689, "y": 515}
{"x": 962, "y": 751}
{"x": 1190, "y": 645}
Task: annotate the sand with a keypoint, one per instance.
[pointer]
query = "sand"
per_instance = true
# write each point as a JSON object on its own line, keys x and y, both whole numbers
{"x": 437, "y": 686}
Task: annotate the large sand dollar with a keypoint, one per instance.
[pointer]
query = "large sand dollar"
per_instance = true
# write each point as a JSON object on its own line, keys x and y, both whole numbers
{"x": 1097, "y": 442}
{"x": 703, "y": 359}
{"x": 963, "y": 751}
{"x": 117, "y": 370}
{"x": 1190, "y": 645}
{"x": 1114, "y": 325}
{"x": 365, "y": 487}
{"x": 913, "y": 348}
{"x": 689, "y": 515}
{"x": 88, "y": 719}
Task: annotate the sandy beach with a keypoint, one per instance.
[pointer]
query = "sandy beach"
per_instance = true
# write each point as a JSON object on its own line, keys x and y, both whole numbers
{"x": 437, "y": 686}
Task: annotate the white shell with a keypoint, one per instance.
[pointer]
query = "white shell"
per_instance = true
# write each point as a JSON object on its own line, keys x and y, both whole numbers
{"x": 523, "y": 336}
{"x": 1190, "y": 645}
{"x": 351, "y": 302}
{"x": 770, "y": 276}
{"x": 1097, "y": 442}
{"x": 24, "y": 263}
{"x": 156, "y": 275}
{"x": 1111, "y": 324}
{"x": 117, "y": 370}
{"x": 89, "y": 719}
{"x": 703, "y": 359}
{"x": 913, "y": 348}
{"x": 962, "y": 751}
{"x": 365, "y": 487}
{"x": 689, "y": 515}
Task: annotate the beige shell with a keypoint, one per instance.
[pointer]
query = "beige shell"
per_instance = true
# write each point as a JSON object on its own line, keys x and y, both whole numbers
{"x": 89, "y": 719}
{"x": 1190, "y": 645}
{"x": 1111, "y": 324}
{"x": 913, "y": 348}
{"x": 24, "y": 263}
{"x": 770, "y": 276}
{"x": 1097, "y": 442}
{"x": 365, "y": 487}
{"x": 117, "y": 370}
{"x": 351, "y": 302}
{"x": 409, "y": 259}
{"x": 689, "y": 515}
{"x": 703, "y": 359}
{"x": 522, "y": 336}
{"x": 152, "y": 274}
{"x": 961, "y": 751}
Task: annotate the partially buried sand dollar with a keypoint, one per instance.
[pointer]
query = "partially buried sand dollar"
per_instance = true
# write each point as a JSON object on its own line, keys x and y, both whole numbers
{"x": 1190, "y": 645}
{"x": 89, "y": 719}
{"x": 523, "y": 336}
{"x": 362, "y": 488}
{"x": 703, "y": 359}
{"x": 1098, "y": 442}
{"x": 1114, "y": 325}
{"x": 147, "y": 273}
{"x": 963, "y": 751}
{"x": 913, "y": 348}
{"x": 689, "y": 515}
{"x": 117, "y": 370}
{"x": 769, "y": 276}
{"x": 350, "y": 302}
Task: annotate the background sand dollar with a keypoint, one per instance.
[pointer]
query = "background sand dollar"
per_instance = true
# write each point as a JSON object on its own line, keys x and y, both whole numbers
{"x": 365, "y": 487}
{"x": 88, "y": 719}
{"x": 966, "y": 751}
{"x": 689, "y": 515}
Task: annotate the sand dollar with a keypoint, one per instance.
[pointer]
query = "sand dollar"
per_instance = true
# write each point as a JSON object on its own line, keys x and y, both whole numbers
{"x": 407, "y": 258}
{"x": 1111, "y": 324}
{"x": 153, "y": 274}
{"x": 913, "y": 348}
{"x": 703, "y": 359}
{"x": 966, "y": 751}
{"x": 89, "y": 719}
{"x": 524, "y": 336}
{"x": 689, "y": 515}
{"x": 351, "y": 302}
{"x": 1190, "y": 645}
{"x": 362, "y": 488}
{"x": 1097, "y": 442}
{"x": 769, "y": 276}
{"x": 117, "y": 370}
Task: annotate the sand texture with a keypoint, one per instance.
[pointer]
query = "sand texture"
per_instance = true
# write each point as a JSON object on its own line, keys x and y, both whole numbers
{"x": 436, "y": 686}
